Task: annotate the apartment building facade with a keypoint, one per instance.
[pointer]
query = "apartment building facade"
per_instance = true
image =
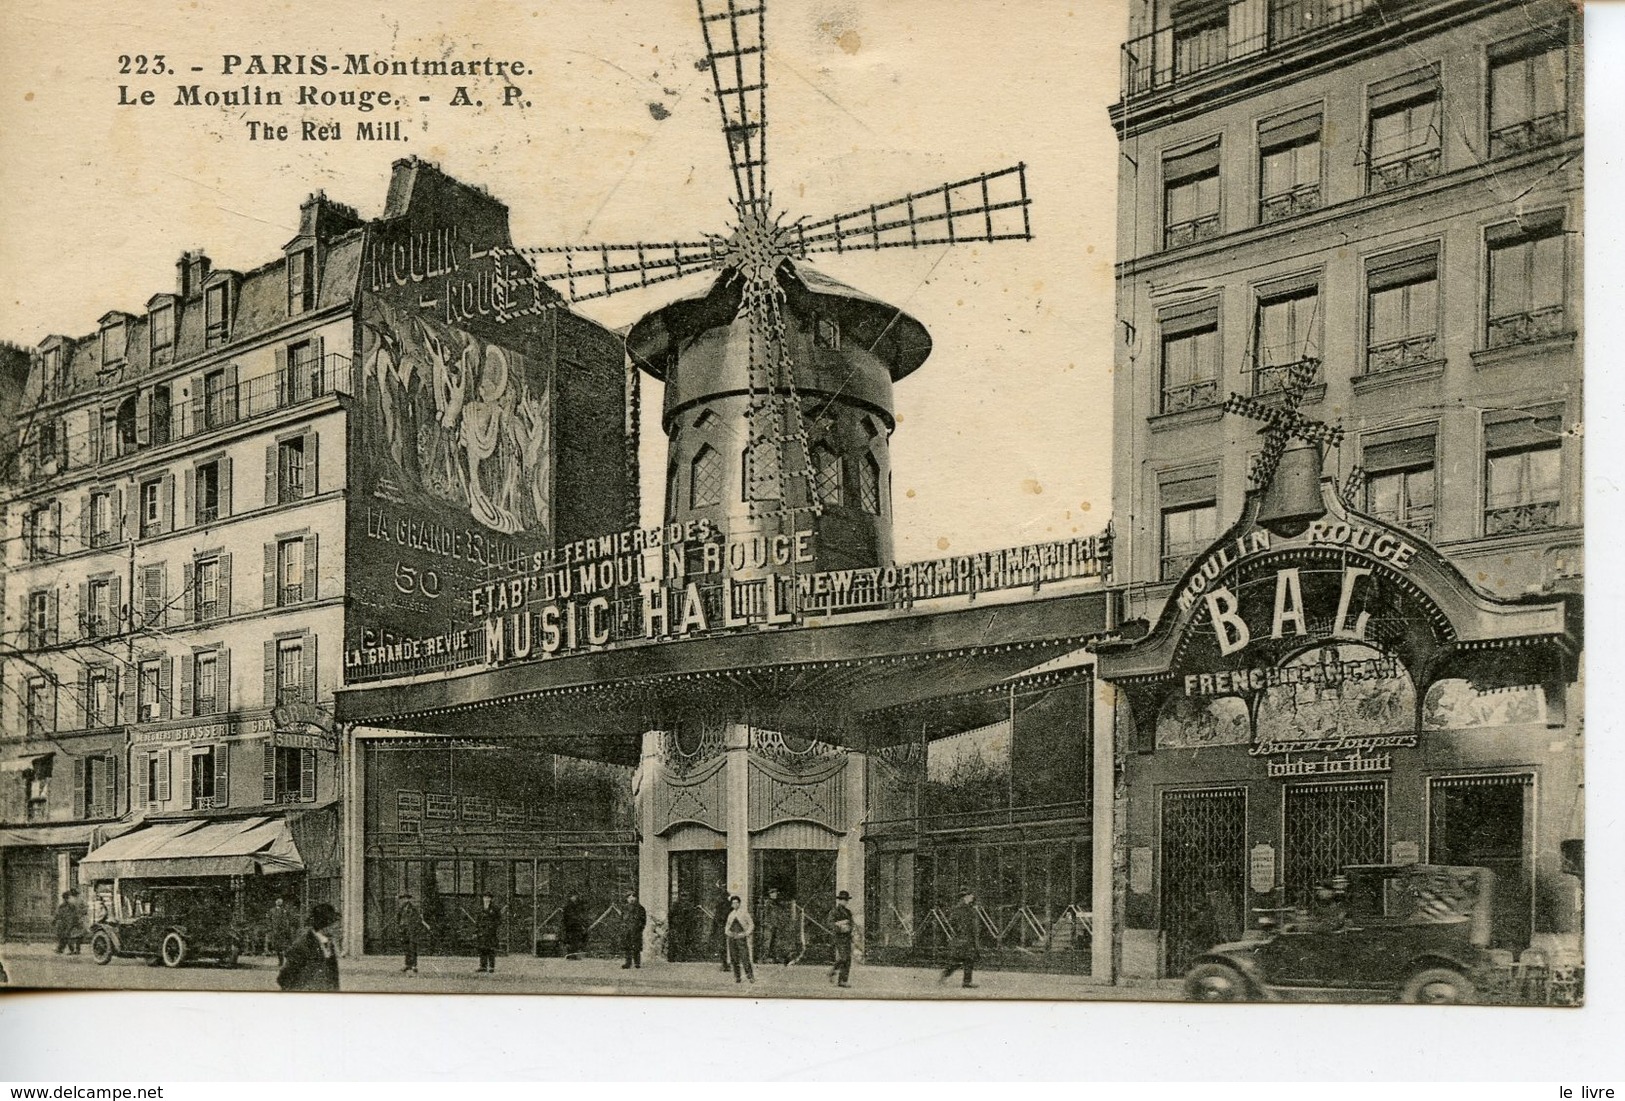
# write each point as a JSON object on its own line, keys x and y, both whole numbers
{"x": 1366, "y": 213}
{"x": 183, "y": 549}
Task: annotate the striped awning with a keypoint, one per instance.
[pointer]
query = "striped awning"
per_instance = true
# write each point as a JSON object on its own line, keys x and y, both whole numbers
{"x": 196, "y": 847}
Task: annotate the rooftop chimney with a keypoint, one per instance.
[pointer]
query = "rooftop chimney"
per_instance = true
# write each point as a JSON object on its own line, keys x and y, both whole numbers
{"x": 191, "y": 270}
{"x": 324, "y": 219}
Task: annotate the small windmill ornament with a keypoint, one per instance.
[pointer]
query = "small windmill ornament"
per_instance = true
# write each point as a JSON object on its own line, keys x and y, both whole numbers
{"x": 1286, "y": 507}
{"x": 760, "y": 253}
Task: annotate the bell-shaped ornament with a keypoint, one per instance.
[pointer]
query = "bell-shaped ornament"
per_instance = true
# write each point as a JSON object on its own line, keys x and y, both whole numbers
{"x": 1292, "y": 498}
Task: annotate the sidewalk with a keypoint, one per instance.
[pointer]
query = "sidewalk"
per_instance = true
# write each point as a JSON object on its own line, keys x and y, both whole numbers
{"x": 38, "y": 965}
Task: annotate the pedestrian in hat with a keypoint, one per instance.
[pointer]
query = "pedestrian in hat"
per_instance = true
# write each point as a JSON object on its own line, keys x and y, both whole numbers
{"x": 575, "y": 923}
{"x": 633, "y": 920}
{"x": 67, "y": 924}
{"x": 312, "y": 961}
{"x": 281, "y": 927}
{"x": 964, "y": 948}
{"x": 409, "y": 923}
{"x": 487, "y": 932}
{"x": 775, "y": 926}
{"x": 840, "y": 923}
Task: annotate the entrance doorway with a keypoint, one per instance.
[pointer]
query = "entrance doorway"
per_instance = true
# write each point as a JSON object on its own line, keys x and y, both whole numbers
{"x": 798, "y": 927}
{"x": 1204, "y": 871}
{"x": 1481, "y": 820}
{"x": 30, "y": 893}
{"x": 693, "y": 919}
{"x": 1326, "y": 828}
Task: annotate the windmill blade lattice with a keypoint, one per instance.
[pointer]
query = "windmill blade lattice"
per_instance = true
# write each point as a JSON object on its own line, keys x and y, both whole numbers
{"x": 736, "y": 54}
{"x": 991, "y": 207}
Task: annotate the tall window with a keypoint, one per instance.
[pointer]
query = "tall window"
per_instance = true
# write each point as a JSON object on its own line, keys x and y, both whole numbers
{"x": 1402, "y": 142}
{"x": 826, "y": 332}
{"x": 99, "y": 610}
{"x": 1190, "y": 360}
{"x": 1289, "y": 166}
{"x": 39, "y": 789}
{"x": 1402, "y": 311}
{"x": 148, "y": 705}
{"x": 152, "y": 775}
{"x": 51, "y": 361}
{"x": 1527, "y": 282}
{"x": 205, "y": 791}
{"x": 1190, "y": 196}
{"x": 101, "y": 519}
{"x": 290, "y": 470}
{"x": 206, "y": 582}
{"x": 869, "y": 484}
{"x": 292, "y": 775}
{"x": 99, "y": 793}
{"x": 39, "y": 619}
{"x": 37, "y": 704}
{"x": 41, "y": 532}
{"x": 705, "y": 478}
{"x": 161, "y": 324}
{"x": 301, "y": 280}
{"x": 158, "y": 416}
{"x": 151, "y": 514}
{"x": 826, "y": 474}
{"x": 290, "y": 571}
{"x": 1401, "y": 482}
{"x": 153, "y": 596}
{"x": 1523, "y": 475}
{"x": 290, "y": 671}
{"x": 1187, "y": 530}
{"x": 208, "y": 493}
{"x": 216, "y": 313}
{"x": 206, "y": 689}
{"x": 98, "y": 696}
{"x": 113, "y": 343}
{"x": 1529, "y": 93}
{"x": 214, "y": 399}
{"x": 1286, "y": 339}
{"x": 300, "y": 368}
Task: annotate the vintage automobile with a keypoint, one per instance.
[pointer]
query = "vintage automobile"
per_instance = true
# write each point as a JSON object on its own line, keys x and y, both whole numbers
{"x": 1417, "y": 932}
{"x": 172, "y": 925}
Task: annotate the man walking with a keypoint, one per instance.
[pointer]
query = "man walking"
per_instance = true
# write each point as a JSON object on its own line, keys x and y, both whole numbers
{"x": 840, "y": 924}
{"x": 487, "y": 932}
{"x": 721, "y": 903}
{"x": 312, "y": 961}
{"x": 633, "y": 920}
{"x": 65, "y": 923}
{"x": 965, "y": 945}
{"x": 409, "y": 923}
{"x": 281, "y": 927}
{"x": 573, "y": 920}
{"x": 778, "y": 942}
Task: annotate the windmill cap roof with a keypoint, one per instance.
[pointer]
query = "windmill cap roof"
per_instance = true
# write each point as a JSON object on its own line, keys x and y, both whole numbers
{"x": 862, "y": 317}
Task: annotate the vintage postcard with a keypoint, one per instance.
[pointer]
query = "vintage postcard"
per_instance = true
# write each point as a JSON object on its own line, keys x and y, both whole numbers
{"x": 795, "y": 498}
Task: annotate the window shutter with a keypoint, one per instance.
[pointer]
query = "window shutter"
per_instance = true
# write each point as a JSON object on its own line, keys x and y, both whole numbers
{"x": 270, "y": 672}
{"x": 282, "y": 395}
{"x": 84, "y": 522}
{"x": 51, "y": 690}
{"x": 1405, "y": 88}
{"x": 164, "y": 763}
{"x": 84, "y": 609}
{"x": 110, "y": 798}
{"x": 97, "y": 798}
{"x": 225, "y": 487}
{"x": 188, "y": 678}
{"x": 166, "y": 688}
{"x": 189, "y": 491}
{"x": 1395, "y": 452}
{"x": 271, "y": 466}
{"x": 143, "y": 417}
{"x": 53, "y": 617}
{"x": 312, "y": 467}
{"x": 186, "y": 780}
{"x": 55, "y": 543}
{"x": 78, "y": 787}
{"x": 138, "y": 780}
{"x": 115, "y": 601}
{"x": 307, "y": 775}
{"x": 1289, "y": 128}
{"x": 228, "y": 401}
{"x": 223, "y": 692}
{"x": 225, "y": 585}
{"x": 222, "y": 775}
{"x": 1410, "y": 265}
{"x": 1189, "y": 317}
{"x": 270, "y": 574}
{"x": 270, "y": 771}
{"x": 1183, "y": 489}
{"x": 308, "y": 687}
{"x": 316, "y": 364}
{"x": 166, "y": 504}
{"x": 84, "y": 700}
{"x": 1525, "y": 432}
{"x": 126, "y": 679}
{"x": 310, "y": 567}
{"x": 189, "y": 591}
{"x": 121, "y": 530}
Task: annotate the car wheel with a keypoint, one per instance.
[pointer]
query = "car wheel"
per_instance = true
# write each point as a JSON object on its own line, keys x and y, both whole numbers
{"x": 1438, "y": 986}
{"x": 173, "y": 949}
{"x": 1216, "y": 982}
{"x": 101, "y": 947}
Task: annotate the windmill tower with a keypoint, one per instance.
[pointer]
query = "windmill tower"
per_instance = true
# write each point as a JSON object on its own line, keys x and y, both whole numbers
{"x": 778, "y": 379}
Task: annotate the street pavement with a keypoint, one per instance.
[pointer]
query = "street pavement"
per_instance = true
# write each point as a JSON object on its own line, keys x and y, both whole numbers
{"x": 37, "y": 965}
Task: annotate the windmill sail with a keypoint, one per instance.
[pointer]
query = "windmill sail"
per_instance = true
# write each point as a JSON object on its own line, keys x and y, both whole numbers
{"x": 990, "y": 207}
{"x": 736, "y": 54}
